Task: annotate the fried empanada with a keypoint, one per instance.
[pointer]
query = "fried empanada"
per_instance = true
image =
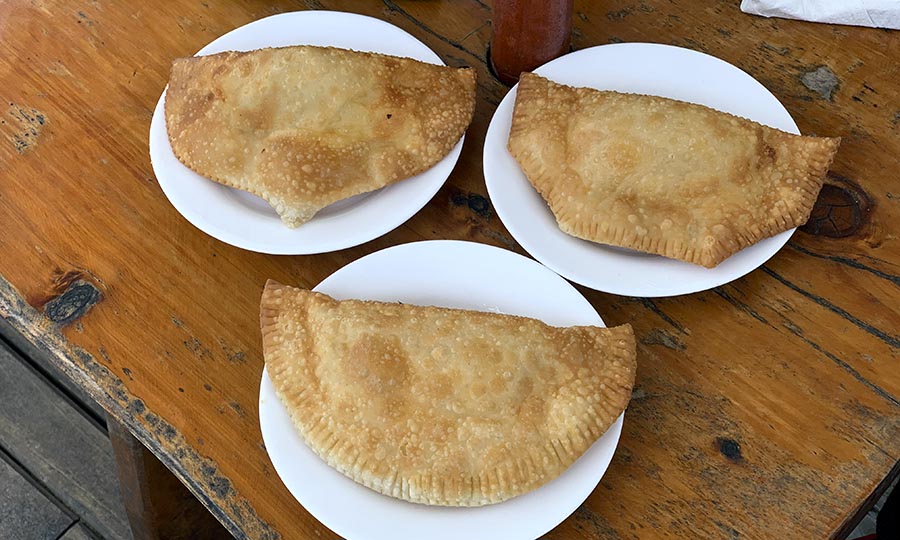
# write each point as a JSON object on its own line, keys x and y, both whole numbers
{"x": 303, "y": 127}
{"x": 442, "y": 406}
{"x": 662, "y": 176}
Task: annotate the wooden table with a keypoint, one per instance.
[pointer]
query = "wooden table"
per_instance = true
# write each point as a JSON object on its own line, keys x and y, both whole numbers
{"x": 766, "y": 408}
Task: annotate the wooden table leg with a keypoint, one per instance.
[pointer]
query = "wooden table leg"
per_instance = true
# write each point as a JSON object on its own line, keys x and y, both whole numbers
{"x": 159, "y": 506}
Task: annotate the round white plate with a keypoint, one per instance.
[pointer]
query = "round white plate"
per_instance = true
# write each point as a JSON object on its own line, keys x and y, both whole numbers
{"x": 659, "y": 70}
{"x": 248, "y": 222}
{"x": 450, "y": 274}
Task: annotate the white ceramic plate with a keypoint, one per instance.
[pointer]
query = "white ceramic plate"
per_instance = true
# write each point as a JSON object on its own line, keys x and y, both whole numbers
{"x": 248, "y": 222}
{"x": 450, "y": 274}
{"x": 644, "y": 68}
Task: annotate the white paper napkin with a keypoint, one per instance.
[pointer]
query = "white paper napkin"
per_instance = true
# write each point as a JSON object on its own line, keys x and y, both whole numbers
{"x": 875, "y": 13}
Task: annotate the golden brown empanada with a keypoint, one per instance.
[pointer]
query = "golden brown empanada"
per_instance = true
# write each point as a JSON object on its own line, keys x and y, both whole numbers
{"x": 662, "y": 176}
{"x": 303, "y": 127}
{"x": 442, "y": 406}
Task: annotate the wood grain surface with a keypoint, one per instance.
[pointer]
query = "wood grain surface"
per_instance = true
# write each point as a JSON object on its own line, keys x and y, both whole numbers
{"x": 767, "y": 408}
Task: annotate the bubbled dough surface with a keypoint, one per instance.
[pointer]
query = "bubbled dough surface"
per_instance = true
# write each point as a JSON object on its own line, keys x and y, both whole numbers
{"x": 442, "y": 406}
{"x": 660, "y": 175}
{"x": 306, "y": 126}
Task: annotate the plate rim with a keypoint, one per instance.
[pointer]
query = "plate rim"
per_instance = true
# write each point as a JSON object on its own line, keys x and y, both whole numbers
{"x": 774, "y": 243}
{"x": 390, "y": 217}
{"x": 615, "y": 430}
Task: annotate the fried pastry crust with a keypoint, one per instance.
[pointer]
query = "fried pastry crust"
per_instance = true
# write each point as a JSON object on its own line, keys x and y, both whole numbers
{"x": 303, "y": 127}
{"x": 442, "y": 406}
{"x": 662, "y": 176}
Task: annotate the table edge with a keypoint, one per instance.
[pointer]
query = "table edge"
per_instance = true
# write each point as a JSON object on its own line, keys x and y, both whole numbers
{"x": 215, "y": 491}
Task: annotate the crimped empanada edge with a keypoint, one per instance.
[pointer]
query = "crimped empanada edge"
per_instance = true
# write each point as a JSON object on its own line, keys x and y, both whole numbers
{"x": 293, "y": 214}
{"x": 491, "y": 486}
{"x": 596, "y": 230}
{"x": 268, "y": 314}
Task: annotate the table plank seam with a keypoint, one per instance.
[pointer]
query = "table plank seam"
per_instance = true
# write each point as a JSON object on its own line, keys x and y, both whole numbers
{"x": 890, "y": 340}
{"x": 394, "y": 8}
{"x": 41, "y": 373}
{"x": 852, "y": 263}
{"x": 35, "y": 482}
{"x": 843, "y": 365}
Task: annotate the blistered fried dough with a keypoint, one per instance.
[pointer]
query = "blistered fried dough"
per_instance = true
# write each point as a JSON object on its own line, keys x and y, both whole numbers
{"x": 662, "y": 176}
{"x": 303, "y": 127}
{"x": 442, "y": 406}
